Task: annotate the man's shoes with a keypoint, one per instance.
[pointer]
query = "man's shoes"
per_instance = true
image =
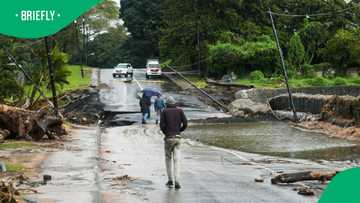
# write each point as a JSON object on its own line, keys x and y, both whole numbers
{"x": 170, "y": 184}
{"x": 143, "y": 122}
{"x": 177, "y": 185}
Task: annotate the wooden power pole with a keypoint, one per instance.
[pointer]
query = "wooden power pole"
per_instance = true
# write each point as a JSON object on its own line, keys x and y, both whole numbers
{"x": 291, "y": 101}
{"x": 83, "y": 49}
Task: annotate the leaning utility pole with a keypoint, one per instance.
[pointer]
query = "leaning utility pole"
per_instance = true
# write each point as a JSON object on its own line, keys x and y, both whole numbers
{"x": 51, "y": 75}
{"x": 291, "y": 101}
{"x": 77, "y": 26}
{"x": 87, "y": 32}
{"x": 83, "y": 49}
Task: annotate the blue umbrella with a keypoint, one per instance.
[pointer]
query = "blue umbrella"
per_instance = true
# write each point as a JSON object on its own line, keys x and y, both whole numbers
{"x": 150, "y": 92}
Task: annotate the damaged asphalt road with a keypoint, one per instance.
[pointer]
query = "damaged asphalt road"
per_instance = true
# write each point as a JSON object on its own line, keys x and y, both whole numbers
{"x": 121, "y": 163}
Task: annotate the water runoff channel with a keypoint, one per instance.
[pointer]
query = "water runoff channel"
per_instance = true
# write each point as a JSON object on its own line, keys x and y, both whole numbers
{"x": 263, "y": 137}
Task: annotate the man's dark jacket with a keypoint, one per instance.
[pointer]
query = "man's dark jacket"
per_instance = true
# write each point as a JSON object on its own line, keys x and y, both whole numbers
{"x": 172, "y": 122}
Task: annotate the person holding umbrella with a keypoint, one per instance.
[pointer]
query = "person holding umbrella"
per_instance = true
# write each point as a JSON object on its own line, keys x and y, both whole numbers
{"x": 145, "y": 102}
{"x": 159, "y": 106}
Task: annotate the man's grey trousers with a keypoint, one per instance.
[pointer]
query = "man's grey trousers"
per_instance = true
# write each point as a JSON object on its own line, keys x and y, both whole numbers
{"x": 172, "y": 158}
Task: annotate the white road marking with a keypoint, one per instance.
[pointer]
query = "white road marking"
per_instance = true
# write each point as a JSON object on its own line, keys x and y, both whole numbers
{"x": 243, "y": 159}
{"x": 138, "y": 84}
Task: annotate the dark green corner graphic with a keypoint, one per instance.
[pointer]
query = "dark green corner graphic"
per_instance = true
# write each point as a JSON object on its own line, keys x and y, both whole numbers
{"x": 39, "y": 18}
{"x": 344, "y": 188}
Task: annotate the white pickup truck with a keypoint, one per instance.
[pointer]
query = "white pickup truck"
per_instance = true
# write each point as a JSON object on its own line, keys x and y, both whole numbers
{"x": 123, "y": 69}
{"x": 153, "y": 68}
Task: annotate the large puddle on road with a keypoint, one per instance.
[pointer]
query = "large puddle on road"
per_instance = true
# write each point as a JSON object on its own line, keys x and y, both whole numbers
{"x": 275, "y": 138}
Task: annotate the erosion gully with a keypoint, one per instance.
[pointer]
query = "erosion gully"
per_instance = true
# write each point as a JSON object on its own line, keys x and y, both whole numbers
{"x": 120, "y": 160}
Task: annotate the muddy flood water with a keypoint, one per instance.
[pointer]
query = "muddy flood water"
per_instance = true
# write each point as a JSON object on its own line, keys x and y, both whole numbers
{"x": 275, "y": 138}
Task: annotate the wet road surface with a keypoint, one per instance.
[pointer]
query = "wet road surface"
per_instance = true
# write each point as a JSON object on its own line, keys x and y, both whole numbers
{"x": 126, "y": 163}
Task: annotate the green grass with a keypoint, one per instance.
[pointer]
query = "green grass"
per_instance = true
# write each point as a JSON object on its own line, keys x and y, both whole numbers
{"x": 16, "y": 145}
{"x": 75, "y": 81}
{"x": 267, "y": 83}
{"x": 14, "y": 168}
{"x": 199, "y": 81}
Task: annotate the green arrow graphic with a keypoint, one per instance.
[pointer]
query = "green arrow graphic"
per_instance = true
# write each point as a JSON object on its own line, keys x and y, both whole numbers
{"x": 39, "y": 18}
{"x": 344, "y": 188}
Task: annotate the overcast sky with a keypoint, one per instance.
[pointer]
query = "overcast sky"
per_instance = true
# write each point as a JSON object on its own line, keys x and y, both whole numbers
{"x": 118, "y": 2}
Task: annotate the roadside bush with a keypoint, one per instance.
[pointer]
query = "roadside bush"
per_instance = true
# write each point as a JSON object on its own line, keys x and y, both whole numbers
{"x": 318, "y": 81}
{"x": 309, "y": 70}
{"x": 243, "y": 57}
{"x": 257, "y": 75}
{"x": 356, "y": 80}
{"x": 296, "y": 53}
{"x": 223, "y": 58}
{"x": 340, "y": 81}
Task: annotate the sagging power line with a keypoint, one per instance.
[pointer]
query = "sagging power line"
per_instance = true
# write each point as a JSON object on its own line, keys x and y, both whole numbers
{"x": 330, "y": 13}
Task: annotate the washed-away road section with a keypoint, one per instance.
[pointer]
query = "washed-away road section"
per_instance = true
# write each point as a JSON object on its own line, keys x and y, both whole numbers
{"x": 126, "y": 163}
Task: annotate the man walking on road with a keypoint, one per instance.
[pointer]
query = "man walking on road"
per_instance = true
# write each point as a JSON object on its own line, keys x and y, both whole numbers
{"x": 172, "y": 122}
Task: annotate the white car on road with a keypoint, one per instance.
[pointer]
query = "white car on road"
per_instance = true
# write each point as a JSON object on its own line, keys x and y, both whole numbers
{"x": 123, "y": 69}
{"x": 153, "y": 68}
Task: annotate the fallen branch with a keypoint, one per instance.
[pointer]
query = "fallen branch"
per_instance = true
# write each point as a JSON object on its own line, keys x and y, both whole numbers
{"x": 304, "y": 176}
{"x": 23, "y": 122}
{"x": 7, "y": 192}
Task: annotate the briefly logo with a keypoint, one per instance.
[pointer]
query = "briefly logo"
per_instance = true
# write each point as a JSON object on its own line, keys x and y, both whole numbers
{"x": 40, "y": 18}
{"x": 38, "y": 15}
{"x": 343, "y": 188}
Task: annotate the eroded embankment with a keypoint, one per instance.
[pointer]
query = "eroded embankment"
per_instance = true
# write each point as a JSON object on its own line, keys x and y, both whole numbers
{"x": 331, "y": 110}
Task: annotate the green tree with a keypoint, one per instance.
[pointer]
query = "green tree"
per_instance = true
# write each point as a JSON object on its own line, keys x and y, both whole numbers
{"x": 314, "y": 36}
{"x": 107, "y": 49}
{"x": 102, "y": 16}
{"x": 11, "y": 89}
{"x": 142, "y": 20}
{"x": 243, "y": 58}
{"x": 37, "y": 67}
{"x": 224, "y": 58}
{"x": 296, "y": 53}
{"x": 343, "y": 50}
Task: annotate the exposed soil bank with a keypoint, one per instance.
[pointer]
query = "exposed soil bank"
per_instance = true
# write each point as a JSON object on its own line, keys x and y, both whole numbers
{"x": 334, "y": 115}
{"x": 341, "y": 101}
{"x": 264, "y": 94}
{"x": 349, "y": 133}
{"x": 341, "y": 110}
{"x": 84, "y": 107}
